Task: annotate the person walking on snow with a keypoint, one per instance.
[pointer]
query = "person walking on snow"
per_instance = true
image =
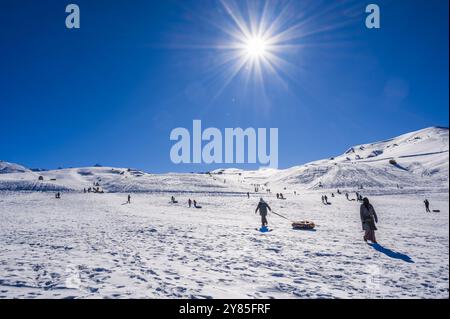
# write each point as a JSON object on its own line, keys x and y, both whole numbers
{"x": 368, "y": 220}
{"x": 427, "y": 205}
{"x": 129, "y": 199}
{"x": 263, "y": 207}
{"x": 190, "y": 203}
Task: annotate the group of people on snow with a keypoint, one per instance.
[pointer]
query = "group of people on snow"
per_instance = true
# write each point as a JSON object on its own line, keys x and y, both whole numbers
{"x": 96, "y": 189}
{"x": 280, "y": 196}
{"x": 368, "y": 215}
{"x": 325, "y": 200}
{"x": 193, "y": 203}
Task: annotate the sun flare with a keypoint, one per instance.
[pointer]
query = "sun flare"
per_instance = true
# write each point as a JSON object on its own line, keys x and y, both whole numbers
{"x": 266, "y": 42}
{"x": 256, "y": 47}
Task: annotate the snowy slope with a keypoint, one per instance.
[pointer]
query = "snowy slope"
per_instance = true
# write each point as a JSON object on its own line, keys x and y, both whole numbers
{"x": 7, "y": 168}
{"x": 417, "y": 160}
{"x": 111, "y": 180}
{"x": 98, "y": 246}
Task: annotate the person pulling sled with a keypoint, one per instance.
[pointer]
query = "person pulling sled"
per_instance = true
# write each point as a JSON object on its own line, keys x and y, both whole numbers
{"x": 262, "y": 208}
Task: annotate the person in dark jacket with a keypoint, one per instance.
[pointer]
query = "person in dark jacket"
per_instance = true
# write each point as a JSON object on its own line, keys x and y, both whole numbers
{"x": 190, "y": 203}
{"x": 129, "y": 199}
{"x": 263, "y": 207}
{"x": 427, "y": 205}
{"x": 368, "y": 219}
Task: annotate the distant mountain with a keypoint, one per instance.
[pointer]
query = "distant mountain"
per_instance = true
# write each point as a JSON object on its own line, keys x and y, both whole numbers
{"x": 413, "y": 162}
{"x": 419, "y": 158}
{"x": 6, "y": 168}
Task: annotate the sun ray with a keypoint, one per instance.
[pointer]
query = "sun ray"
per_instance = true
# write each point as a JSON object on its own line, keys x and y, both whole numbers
{"x": 266, "y": 41}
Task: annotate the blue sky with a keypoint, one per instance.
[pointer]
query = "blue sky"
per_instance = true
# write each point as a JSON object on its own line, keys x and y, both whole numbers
{"x": 112, "y": 91}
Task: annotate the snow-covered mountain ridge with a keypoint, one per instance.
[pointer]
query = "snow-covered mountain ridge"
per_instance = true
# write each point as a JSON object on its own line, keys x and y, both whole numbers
{"x": 418, "y": 159}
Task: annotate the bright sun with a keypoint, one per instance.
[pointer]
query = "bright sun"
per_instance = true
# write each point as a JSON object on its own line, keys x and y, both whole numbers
{"x": 256, "y": 47}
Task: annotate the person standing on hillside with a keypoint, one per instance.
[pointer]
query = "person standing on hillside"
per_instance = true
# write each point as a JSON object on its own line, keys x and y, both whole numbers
{"x": 129, "y": 199}
{"x": 368, "y": 219}
{"x": 262, "y": 208}
{"x": 427, "y": 205}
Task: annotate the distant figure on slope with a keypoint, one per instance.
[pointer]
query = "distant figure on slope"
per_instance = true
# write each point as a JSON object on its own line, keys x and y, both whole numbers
{"x": 278, "y": 196}
{"x": 190, "y": 203}
{"x": 346, "y": 196}
{"x": 129, "y": 199}
{"x": 248, "y": 195}
{"x": 196, "y": 205}
{"x": 58, "y": 195}
{"x": 368, "y": 220}
{"x": 427, "y": 205}
{"x": 84, "y": 190}
{"x": 325, "y": 198}
{"x": 172, "y": 199}
{"x": 263, "y": 207}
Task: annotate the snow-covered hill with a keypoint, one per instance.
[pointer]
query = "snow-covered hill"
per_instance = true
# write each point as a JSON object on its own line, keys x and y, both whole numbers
{"x": 7, "y": 168}
{"x": 100, "y": 246}
{"x": 408, "y": 163}
{"x": 417, "y": 160}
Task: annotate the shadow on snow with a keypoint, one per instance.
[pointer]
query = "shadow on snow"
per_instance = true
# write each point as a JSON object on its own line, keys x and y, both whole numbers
{"x": 392, "y": 254}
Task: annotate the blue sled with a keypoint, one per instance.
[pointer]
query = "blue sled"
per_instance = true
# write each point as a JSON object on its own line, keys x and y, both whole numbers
{"x": 264, "y": 229}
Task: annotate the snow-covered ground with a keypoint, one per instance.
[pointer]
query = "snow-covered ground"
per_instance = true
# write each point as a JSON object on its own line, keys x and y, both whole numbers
{"x": 94, "y": 245}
